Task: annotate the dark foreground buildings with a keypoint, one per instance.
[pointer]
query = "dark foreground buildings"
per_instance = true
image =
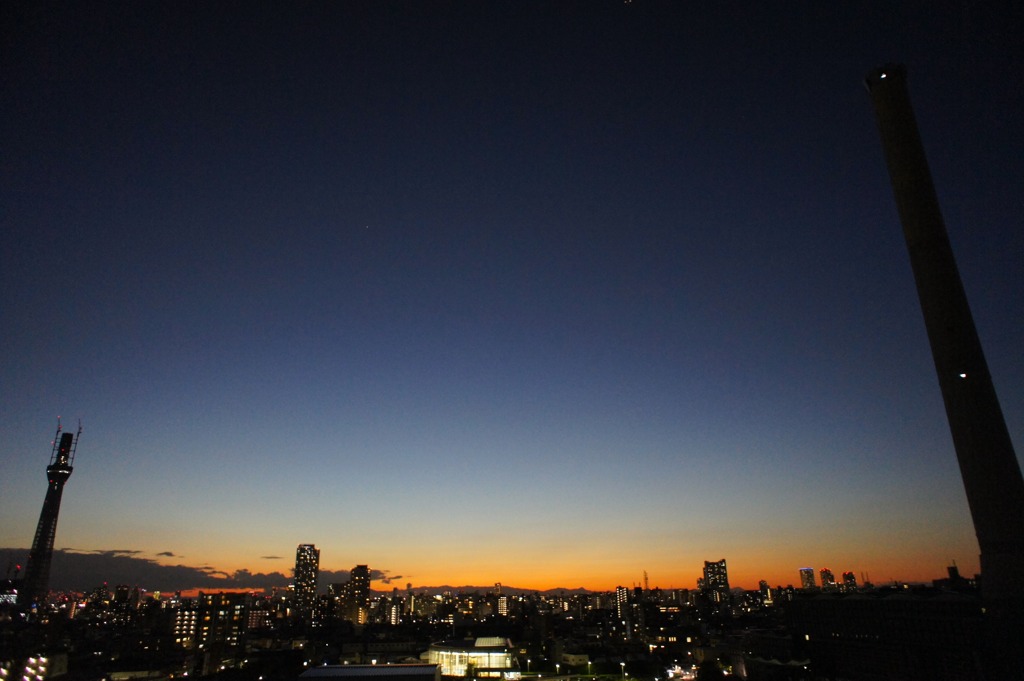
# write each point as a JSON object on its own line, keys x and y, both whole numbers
{"x": 890, "y": 635}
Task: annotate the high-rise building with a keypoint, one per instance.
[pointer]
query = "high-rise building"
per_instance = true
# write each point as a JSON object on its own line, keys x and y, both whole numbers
{"x": 185, "y": 626}
{"x": 767, "y": 597}
{"x": 624, "y": 611}
{"x": 37, "y": 571}
{"x": 716, "y": 580}
{"x": 307, "y": 571}
{"x": 828, "y": 580}
{"x": 849, "y": 581}
{"x": 222, "y": 618}
{"x": 355, "y": 599}
{"x": 621, "y": 602}
{"x": 807, "y": 578}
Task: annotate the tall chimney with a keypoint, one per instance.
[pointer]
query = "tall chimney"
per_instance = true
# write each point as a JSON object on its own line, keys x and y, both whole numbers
{"x": 988, "y": 464}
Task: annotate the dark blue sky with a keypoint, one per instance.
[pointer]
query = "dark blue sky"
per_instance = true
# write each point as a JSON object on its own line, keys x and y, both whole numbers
{"x": 624, "y": 276}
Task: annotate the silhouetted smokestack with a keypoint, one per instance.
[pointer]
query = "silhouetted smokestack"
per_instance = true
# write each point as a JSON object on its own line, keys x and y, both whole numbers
{"x": 988, "y": 464}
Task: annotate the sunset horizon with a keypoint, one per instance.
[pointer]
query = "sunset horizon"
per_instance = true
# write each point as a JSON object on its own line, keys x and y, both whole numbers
{"x": 552, "y": 295}
{"x": 743, "y": 573}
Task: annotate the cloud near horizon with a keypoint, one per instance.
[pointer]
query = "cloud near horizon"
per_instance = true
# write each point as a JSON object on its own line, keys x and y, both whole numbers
{"x": 101, "y": 552}
{"x": 80, "y": 570}
{"x": 84, "y": 570}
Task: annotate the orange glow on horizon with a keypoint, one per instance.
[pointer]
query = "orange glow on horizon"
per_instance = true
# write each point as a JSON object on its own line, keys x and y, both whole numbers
{"x": 740, "y": 576}
{"x": 599, "y": 567}
{"x": 194, "y": 593}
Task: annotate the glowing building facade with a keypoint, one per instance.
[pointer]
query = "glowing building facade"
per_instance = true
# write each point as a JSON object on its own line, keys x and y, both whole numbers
{"x": 307, "y": 571}
{"x": 489, "y": 658}
{"x": 716, "y": 580}
{"x": 621, "y": 602}
{"x": 355, "y": 595}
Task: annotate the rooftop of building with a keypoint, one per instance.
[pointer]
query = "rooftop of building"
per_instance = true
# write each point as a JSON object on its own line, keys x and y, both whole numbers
{"x": 486, "y": 642}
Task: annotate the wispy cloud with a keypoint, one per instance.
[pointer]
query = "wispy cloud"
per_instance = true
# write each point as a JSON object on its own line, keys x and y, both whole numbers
{"x": 384, "y": 576}
{"x": 105, "y": 552}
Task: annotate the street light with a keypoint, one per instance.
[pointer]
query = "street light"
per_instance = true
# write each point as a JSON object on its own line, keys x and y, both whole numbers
{"x": 528, "y": 661}
{"x": 623, "y": 665}
{"x": 557, "y": 667}
{"x": 588, "y": 667}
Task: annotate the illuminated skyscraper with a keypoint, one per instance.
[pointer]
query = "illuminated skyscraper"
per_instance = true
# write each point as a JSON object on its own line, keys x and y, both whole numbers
{"x": 828, "y": 580}
{"x": 356, "y": 595}
{"x": 621, "y": 602}
{"x": 716, "y": 580}
{"x": 807, "y": 578}
{"x": 624, "y": 611}
{"x": 37, "y": 571}
{"x": 307, "y": 570}
{"x": 222, "y": 618}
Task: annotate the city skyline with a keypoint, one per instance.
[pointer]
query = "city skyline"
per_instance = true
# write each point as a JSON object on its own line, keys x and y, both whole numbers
{"x": 83, "y": 570}
{"x": 542, "y": 294}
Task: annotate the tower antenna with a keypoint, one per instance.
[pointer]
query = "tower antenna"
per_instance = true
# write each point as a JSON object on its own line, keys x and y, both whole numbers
{"x": 37, "y": 569}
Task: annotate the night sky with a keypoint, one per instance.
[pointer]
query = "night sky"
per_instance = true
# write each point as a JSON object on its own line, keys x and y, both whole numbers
{"x": 540, "y": 293}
